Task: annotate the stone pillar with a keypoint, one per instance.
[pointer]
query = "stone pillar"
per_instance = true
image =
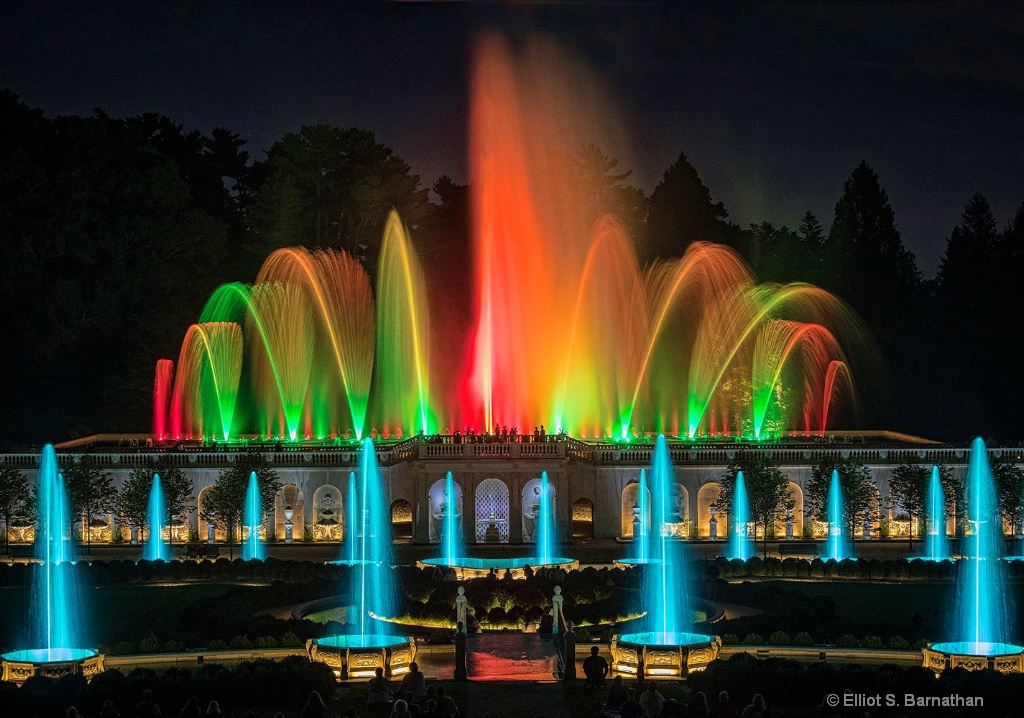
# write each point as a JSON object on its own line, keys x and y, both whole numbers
{"x": 713, "y": 524}
{"x": 460, "y": 652}
{"x": 211, "y": 532}
{"x": 569, "y": 666}
{"x": 515, "y": 509}
{"x": 556, "y": 610}
{"x": 789, "y": 524}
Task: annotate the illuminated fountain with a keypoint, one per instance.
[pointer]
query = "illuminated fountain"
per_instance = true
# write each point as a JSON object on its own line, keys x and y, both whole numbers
{"x": 983, "y": 620}
{"x": 253, "y": 545}
{"x": 838, "y": 543}
{"x": 936, "y": 545}
{"x": 689, "y": 346}
{"x": 539, "y": 513}
{"x": 155, "y": 548}
{"x": 54, "y": 629}
{"x": 741, "y": 546}
{"x": 371, "y": 589}
{"x": 665, "y": 647}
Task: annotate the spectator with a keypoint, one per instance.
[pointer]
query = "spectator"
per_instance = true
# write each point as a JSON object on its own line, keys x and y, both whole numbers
{"x": 148, "y": 707}
{"x": 652, "y": 702}
{"x": 401, "y": 710}
{"x": 314, "y": 707}
{"x": 430, "y": 710}
{"x": 723, "y": 708}
{"x": 191, "y": 709}
{"x": 756, "y": 707}
{"x": 279, "y": 715}
{"x": 350, "y": 712}
{"x": 73, "y": 713}
{"x": 699, "y": 706}
{"x": 595, "y": 668}
{"x": 430, "y": 695}
{"x": 414, "y": 681}
{"x": 379, "y": 689}
{"x": 108, "y": 710}
{"x": 630, "y": 708}
{"x": 213, "y": 709}
{"x": 445, "y": 705}
{"x": 617, "y": 694}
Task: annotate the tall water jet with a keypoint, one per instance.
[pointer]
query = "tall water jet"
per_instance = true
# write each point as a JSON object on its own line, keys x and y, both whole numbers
{"x": 371, "y": 588}
{"x": 155, "y": 548}
{"x": 54, "y": 631}
{"x": 836, "y": 545}
{"x": 983, "y": 622}
{"x": 641, "y": 552}
{"x": 252, "y": 521}
{"x": 452, "y": 547}
{"x": 352, "y": 532}
{"x": 666, "y": 646}
{"x": 936, "y": 545}
{"x": 162, "y": 397}
{"x": 741, "y": 546}
{"x": 545, "y": 522}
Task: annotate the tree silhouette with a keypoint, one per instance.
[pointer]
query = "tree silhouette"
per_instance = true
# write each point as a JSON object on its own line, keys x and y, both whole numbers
{"x": 682, "y": 211}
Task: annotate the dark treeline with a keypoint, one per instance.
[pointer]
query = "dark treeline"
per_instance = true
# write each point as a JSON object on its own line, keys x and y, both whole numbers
{"x": 113, "y": 232}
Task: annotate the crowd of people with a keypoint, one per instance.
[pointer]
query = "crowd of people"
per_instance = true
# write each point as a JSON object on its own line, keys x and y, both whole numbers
{"x": 644, "y": 700}
{"x": 410, "y": 697}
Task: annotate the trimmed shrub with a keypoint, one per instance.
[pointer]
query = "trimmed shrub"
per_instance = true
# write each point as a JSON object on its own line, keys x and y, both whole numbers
{"x": 290, "y": 640}
{"x": 149, "y": 644}
{"x": 730, "y": 639}
{"x": 898, "y": 643}
{"x": 266, "y": 642}
{"x": 216, "y": 645}
{"x": 240, "y": 643}
{"x": 803, "y": 639}
{"x": 871, "y": 642}
{"x": 173, "y": 646}
{"x": 847, "y": 641}
{"x": 779, "y": 638}
{"x": 753, "y": 639}
{"x": 124, "y": 648}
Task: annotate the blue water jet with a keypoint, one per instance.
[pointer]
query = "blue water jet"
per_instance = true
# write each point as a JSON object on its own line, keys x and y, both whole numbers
{"x": 371, "y": 581}
{"x": 936, "y": 545}
{"x": 252, "y": 520}
{"x": 837, "y": 545}
{"x": 452, "y": 548}
{"x": 352, "y": 534}
{"x": 983, "y": 612}
{"x": 155, "y": 548}
{"x": 641, "y": 550}
{"x": 666, "y": 595}
{"x": 54, "y": 630}
{"x": 545, "y": 524}
{"x": 740, "y": 544}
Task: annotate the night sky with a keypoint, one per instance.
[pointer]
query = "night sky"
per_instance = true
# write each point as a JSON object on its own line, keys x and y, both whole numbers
{"x": 775, "y": 104}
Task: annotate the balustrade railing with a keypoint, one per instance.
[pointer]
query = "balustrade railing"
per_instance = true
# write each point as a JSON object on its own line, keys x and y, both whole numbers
{"x": 447, "y": 447}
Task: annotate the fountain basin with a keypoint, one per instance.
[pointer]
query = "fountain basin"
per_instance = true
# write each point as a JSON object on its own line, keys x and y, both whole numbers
{"x": 972, "y": 656}
{"x": 467, "y": 568}
{"x": 358, "y": 656}
{"x": 19, "y": 666}
{"x": 663, "y": 654}
{"x": 628, "y": 562}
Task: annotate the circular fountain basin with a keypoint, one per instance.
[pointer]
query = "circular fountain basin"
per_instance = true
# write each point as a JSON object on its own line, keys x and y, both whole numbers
{"x": 627, "y": 562}
{"x": 359, "y": 656}
{"x": 663, "y": 654}
{"x": 974, "y": 656}
{"x": 466, "y": 568}
{"x": 354, "y": 562}
{"x": 19, "y": 666}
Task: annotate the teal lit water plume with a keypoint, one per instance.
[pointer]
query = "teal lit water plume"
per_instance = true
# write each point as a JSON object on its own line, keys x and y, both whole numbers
{"x": 666, "y": 581}
{"x": 252, "y": 520}
{"x": 155, "y": 548}
{"x": 545, "y": 526}
{"x": 837, "y": 545}
{"x": 352, "y": 534}
{"x": 983, "y": 611}
{"x": 452, "y": 547}
{"x": 740, "y": 544}
{"x": 641, "y": 550}
{"x": 371, "y": 581}
{"x": 936, "y": 545}
{"x": 54, "y": 625}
